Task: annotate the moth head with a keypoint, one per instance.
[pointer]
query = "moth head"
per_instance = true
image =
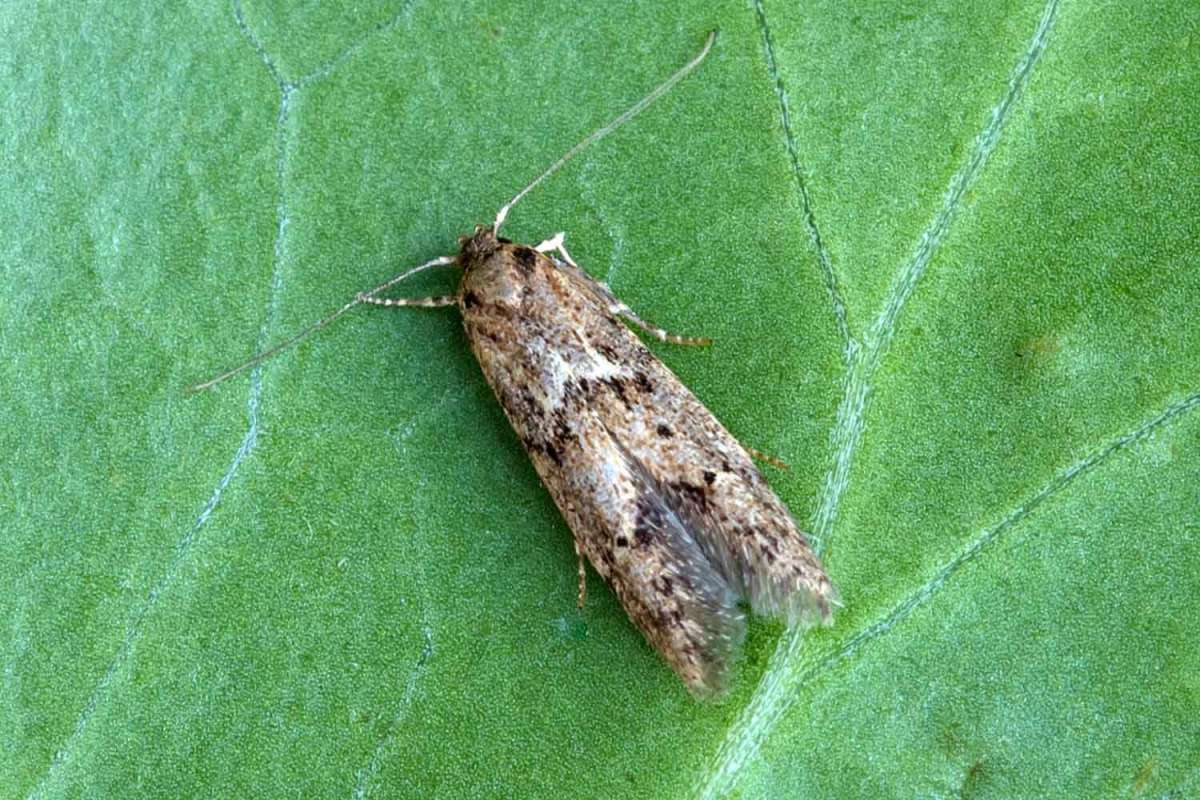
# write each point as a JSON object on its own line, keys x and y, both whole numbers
{"x": 478, "y": 246}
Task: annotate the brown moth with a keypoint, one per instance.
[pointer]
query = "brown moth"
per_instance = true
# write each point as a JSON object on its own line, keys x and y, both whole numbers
{"x": 663, "y": 501}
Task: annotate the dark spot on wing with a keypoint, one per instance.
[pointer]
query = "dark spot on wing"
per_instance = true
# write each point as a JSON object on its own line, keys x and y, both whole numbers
{"x": 709, "y": 477}
{"x": 470, "y": 299}
{"x": 644, "y": 383}
{"x": 529, "y": 404}
{"x": 609, "y": 352}
{"x": 503, "y": 311}
{"x": 648, "y": 523}
{"x": 526, "y": 258}
{"x": 622, "y": 541}
{"x": 692, "y": 495}
{"x": 642, "y": 535}
{"x": 549, "y": 449}
{"x": 562, "y": 429}
{"x": 618, "y": 387}
{"x": 577, "y": 393}
{"x": 665, "y": 432}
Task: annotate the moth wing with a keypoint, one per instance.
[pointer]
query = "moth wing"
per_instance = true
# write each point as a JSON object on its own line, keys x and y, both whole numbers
{"x": 706, "y": 476}
{"x": 680, "y": 601}
{"x": 740, "y": 522}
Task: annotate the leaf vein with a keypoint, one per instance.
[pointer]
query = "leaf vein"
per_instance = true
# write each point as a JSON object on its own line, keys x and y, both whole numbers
{"x": 806, "y": 204}
{"x": 249, "y": 441}
{"x": 768, "y": 707}
{"x": 772, "y": 696}
{"x": 240, "y": 18}
{"x": 182, "y": 548}
{"x": 381, "y": 27}
{"x": 365, "y": 775}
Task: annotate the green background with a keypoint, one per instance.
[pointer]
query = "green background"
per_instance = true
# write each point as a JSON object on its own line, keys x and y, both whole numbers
{"x": 948, "y": 254}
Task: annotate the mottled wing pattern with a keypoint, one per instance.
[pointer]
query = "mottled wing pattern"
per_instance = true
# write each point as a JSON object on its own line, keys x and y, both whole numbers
{"x": 662, "y": 500}
{"x": 642, "y": 547}
{"x": 712, "y": 479}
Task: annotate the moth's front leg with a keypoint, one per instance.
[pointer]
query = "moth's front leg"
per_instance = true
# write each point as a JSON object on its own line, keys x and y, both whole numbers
{"x": 599, "y": 289}
{"x": 436, "y": 301}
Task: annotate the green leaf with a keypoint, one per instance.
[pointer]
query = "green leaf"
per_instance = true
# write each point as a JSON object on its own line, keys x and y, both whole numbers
{"x": 947, "y": 252}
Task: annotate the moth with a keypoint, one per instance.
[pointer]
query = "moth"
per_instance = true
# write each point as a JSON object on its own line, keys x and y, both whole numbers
{"x": 664, "y": 502}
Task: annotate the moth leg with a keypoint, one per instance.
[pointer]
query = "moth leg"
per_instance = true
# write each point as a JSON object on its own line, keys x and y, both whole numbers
{"x": 554, "y": 243}
{"x": 662, "y": 335}
{"x": 582, "y": 575}
{"x": 615, "y": 306}
{"x": 421, "y": 302}
{"x": 766, "y": 458}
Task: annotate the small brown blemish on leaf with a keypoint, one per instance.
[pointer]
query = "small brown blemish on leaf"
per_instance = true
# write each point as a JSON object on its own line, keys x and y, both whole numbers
{"x": 976, "y": 774}
{"x": 951, "y": 738}
{"x": 1143, "y": 777}
{"x": 1037, "y": 348}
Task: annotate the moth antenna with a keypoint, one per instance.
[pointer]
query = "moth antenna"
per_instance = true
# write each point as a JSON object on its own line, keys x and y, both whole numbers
{"x": 612, "y": 125}
{"x": 360, "y": 298}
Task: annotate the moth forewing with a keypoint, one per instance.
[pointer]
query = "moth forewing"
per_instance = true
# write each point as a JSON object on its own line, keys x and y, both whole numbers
{"x": 662, "y": 500}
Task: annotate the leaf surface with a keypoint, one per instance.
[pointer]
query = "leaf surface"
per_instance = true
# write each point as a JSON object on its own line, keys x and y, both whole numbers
{"x": 947, "y": 252}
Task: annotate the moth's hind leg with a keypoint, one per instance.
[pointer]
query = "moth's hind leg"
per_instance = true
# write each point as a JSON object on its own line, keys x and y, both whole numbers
{"x": 555, "y": 245}
{"x": 767, "y": 458}
{"x": 625, "y": 311}
{"x": 582, "y": 575}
